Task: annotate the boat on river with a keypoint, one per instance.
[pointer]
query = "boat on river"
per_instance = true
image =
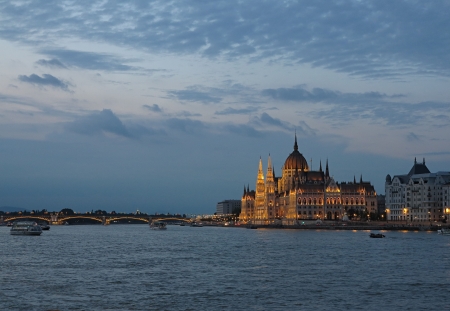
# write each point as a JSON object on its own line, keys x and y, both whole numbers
{"x": 44, "y": 226}
{"x": 377, "y": 235}
{"x": 444, "y": 231}
{"x": 196, "y": 224}
{"x": 26, "y": 228}
{"x": 158, "y": 225}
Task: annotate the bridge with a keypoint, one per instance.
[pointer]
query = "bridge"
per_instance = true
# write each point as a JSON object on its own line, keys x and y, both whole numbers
{"x": 55, "y": 219}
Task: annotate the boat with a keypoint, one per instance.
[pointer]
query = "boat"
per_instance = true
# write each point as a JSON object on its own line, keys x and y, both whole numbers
{"x": 376, "y": 235}
{"x": 444, "y": 231}
{"x": 25, "y": 228}
{"x": 196, "y": 224}
{"x": 252, "y": 227}
{"x": 44, "y": 226}
{"x": 158, "y": 225}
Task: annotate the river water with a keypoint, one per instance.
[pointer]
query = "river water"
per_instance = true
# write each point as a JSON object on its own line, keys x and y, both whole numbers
{"x": 130, "y": 267}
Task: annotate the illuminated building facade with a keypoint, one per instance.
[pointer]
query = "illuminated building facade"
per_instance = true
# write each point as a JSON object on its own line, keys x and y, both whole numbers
{"x": 419, "y": 196}
{"x": 301, "y": 193}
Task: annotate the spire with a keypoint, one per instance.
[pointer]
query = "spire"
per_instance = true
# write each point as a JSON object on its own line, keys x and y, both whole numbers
{"x": 260, "y": 170}
{"x": 245, "y": 192}
{"x": 295, "y": 144}
{"x": 320, "y": 166}
{"x": 423, "y": 161}
{"x": 415, "y": 161}
{"x": 360, "y": 179}
{"x": 327, "y": 172}
{"x": 248, "y": 187}
{"x": 269, "y": 170}
{"x": 354, "y": 179}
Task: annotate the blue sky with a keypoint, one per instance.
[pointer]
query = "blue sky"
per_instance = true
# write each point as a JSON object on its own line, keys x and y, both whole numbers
{"x": 167, "y": 106}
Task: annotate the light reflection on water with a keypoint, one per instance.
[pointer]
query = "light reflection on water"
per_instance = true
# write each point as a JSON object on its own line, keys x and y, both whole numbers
{"x": 130, "y": 267}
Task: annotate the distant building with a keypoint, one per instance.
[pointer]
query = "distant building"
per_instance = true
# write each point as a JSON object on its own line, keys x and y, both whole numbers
{"x": 301, "y": 193}
{"x": 381, "y": 202}
{"x": 227, "y": 207}
{"x": 419, "y": 196}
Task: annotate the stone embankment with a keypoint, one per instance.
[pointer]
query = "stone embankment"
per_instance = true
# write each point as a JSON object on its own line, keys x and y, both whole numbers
{"x": 357, "y": 226}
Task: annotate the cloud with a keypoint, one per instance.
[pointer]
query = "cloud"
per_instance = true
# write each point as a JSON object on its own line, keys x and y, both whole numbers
{"x": 370, "y": 106}
{"x": 368, "y": 39}
{"x": 302, "y": 94}
{"x": 194, "y": 96}
{"x": 52, "y": 63}
{"x": 98, "y": 123}
{"x": 45, "y": 80}
{"x": 244, "y": 130}
{"x": 231, "y": 111}
{"x": 187, "y": 114}
{"x": 412, "y": 137}
{"x": 153, "y": 108}
{"x": 90, "y": 60}
{"x": 186, "y": 125}
{"x": 267, "y": 119}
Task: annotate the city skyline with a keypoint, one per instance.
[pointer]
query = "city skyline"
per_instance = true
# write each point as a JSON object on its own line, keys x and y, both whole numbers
{"x": 168, "y": 106}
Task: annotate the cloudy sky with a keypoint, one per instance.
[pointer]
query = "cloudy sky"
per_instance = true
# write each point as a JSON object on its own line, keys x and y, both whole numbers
{"x": 167, "y": 106}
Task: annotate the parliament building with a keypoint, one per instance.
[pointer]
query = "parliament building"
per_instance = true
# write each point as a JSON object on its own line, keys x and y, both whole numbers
{"x": 303, "y": 194}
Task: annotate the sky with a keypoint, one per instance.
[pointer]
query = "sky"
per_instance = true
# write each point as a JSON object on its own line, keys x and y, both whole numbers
{"x": 167, "y": 106}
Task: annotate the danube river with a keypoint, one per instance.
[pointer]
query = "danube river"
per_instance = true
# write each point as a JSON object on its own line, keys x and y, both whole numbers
{"x": 130, "y": 267}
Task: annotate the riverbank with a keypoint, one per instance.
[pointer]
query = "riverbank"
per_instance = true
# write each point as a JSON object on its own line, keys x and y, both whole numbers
{"x": 349, "y": 226}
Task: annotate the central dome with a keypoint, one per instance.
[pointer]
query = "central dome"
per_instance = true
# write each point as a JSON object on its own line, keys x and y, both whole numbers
{"x": 296, "y": 160}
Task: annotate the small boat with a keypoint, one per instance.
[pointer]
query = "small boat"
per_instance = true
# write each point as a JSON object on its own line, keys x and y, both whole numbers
{"x": 158, "y": 225}
{"x": 252, "y": 227}
{"x": 44, "y": 226}
{"x": 376, "y": 235}
{"x": 444, "y": 231}
{"x": 25, "y": 228}
{"x": 196, "y": 224}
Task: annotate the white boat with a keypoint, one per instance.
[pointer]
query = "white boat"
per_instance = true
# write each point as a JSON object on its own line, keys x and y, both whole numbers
{"x": 26, "y": 228}
{"x": 158, "y": 225}
{"x": 444, "y": 231}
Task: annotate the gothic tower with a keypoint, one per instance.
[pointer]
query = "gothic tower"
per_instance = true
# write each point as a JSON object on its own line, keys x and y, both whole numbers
{"x": 260, "y": 193}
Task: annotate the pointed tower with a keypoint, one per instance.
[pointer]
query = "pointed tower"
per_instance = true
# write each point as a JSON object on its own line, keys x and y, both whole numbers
{"x": 295, "y": 143}
{"x": 270, "y": 177}
{"x": 327, "y": 172}
{"x": 354, "y": 179}
{"x": 260, "y": 192}
{"x": 360, "y": 179}
{"x": 320, "y": 166}
{"x": 269, "y": 212}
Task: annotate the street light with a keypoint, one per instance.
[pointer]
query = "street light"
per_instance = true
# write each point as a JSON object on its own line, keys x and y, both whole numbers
{"x": 404, "y": 212}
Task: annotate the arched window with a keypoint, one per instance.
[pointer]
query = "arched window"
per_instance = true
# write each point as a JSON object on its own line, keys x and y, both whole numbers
{"x": 315, "y": 201}
{"x": 309, "y": 201}
{"x": 357, "y": 201}
{"x": 320, "y": 201}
